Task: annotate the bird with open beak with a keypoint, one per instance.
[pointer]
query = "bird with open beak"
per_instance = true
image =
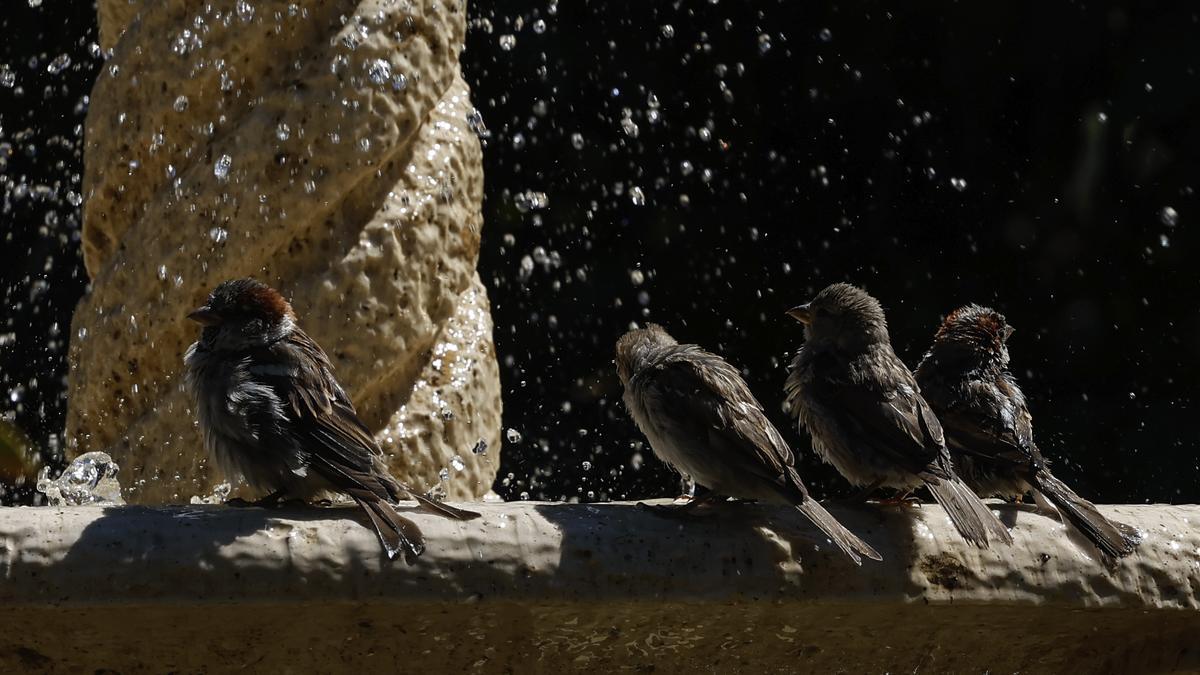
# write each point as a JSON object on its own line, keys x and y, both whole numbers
{"x": 989, "y": 430}
{"x": 272, "y": 412}
{"x": 865, "y": 413}
{"x": 700, "y": 417}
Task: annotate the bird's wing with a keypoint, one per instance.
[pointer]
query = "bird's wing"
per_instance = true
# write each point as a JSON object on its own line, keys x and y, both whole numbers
{"x": 991, "y": 421}
{"x": 895, "y": 422}
{"x": 324, "y": 425}
{"x": 702, "y": 388}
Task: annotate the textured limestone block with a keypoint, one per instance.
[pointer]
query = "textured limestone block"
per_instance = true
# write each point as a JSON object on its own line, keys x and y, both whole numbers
{"x": 541, "y": 588}
{"x": 323, "y": 148}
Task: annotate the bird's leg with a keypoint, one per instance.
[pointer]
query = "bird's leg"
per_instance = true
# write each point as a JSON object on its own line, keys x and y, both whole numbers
{"x": 701, "y": 495}
{"x": 902, "y": 498}
{"x": 687, "y": 490}
{"x": 270, "y": 501}
{"x": 862, "y": 495}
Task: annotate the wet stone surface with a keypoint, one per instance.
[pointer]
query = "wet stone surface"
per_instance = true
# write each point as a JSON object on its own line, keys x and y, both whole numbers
{"x": 538, "y": 585}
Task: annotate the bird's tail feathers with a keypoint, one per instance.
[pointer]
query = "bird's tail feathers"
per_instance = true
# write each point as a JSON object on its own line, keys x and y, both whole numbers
{"x": 396, "y": 533}
{"x": 398, "y": 491}
{"x": 1114, "y": 539}
{"x": 971, "y": 517}
{"x": 846, "y": 540}
{"x": 444, "y": 510}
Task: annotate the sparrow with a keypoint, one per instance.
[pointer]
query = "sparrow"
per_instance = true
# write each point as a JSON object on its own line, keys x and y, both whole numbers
{"x": 989, "y": 430}
{"x": 701, "y": 418}
{"x": 272, "y": 412}
{"x": 865, "y": 412}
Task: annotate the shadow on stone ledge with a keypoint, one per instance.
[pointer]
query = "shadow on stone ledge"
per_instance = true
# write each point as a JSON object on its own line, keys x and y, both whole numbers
{"x": 559, "y": 588}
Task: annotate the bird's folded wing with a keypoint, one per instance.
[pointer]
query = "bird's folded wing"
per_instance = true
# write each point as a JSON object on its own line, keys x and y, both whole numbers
{"x": 995, "y": 429}
{"x": 324, "y": 425}
{"x": 704, "y": 389}
{"x": 897, "y": 423}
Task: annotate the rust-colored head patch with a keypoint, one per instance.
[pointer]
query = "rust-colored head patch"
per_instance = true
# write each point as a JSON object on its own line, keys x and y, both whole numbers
{"x": 975, "y": 325}
{"x": 248, "y": 298}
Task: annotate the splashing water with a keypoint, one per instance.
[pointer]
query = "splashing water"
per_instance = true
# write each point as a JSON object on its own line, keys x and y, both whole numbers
{"x": 90, "y": 480}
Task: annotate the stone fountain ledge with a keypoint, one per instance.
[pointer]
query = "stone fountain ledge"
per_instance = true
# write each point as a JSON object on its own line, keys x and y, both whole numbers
{"x": 541, "y": 587}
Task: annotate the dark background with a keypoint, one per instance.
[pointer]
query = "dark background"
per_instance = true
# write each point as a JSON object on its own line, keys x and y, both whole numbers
{"x": 1041, "y": 158}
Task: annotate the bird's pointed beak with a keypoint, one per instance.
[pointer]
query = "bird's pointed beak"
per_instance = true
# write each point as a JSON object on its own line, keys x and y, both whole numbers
{"x": 204, "y": 316}
{"x": 802, "y": 314}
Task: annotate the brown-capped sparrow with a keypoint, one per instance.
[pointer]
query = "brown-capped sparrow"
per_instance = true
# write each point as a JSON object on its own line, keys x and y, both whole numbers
{"x": 989, "y": 430}
{"x": 272, "y": 412}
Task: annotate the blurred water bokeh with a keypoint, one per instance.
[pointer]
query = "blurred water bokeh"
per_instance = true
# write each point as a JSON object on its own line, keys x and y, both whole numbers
{"x": 708, "y": 165}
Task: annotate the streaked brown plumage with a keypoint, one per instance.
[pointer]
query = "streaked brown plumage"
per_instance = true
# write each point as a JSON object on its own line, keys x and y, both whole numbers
{"x": 272, "y": 412}
{"x": 866, "y": 414}
{"x": 989, "y": 430}
{"x": 701, "y": 418}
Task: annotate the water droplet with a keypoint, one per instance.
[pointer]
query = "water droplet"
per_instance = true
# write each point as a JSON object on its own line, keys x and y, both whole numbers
{"x": 826, "y": 35}
{"x": 668, "y": 31}
{"x": 636, "y": 277}
{"x": 1169, "y": 216}
{"x": 59, "y": 64}
{"x": 636, "y": 196}
{"x": 629, "y": 126}
{"x": 507, "y": 42}
{"x": 475, "y": 122}
{"x": 181, "y": 104}
{"x": 283, "y": 131}
{"x": 218, "y": 235}
{"x": 399, "y": 82}
{"x": 458, "y": 463}
{"x": 444, "y": 474}
{"x": 480, "y": 447}
{"x": 577, "y": 141}
{"x": 1103, "y": 117}
{"x": 184, "y": 43}
{"x": 511, "y": 434}
{"x": 221, "y": 168}
{"x": 530, "y": 200}
{"x": 764, "y": 43}
{"x": 379, "y": 71}
{"x": 245, "y": 10}
{"x": 7, "y": 77}
{"x": 1164, "y": 241}
{"x": 539, "y": 26}
{"x": 959, "y": 184}
{"x": 586, "y": 465}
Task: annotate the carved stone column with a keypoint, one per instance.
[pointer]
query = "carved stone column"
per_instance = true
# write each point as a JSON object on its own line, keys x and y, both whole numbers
{"x": 323, "y": 147}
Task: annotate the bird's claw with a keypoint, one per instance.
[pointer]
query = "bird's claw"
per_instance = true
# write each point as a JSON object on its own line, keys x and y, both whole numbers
{"x": 901, "y": 500}
{"x": 669, "y": 510}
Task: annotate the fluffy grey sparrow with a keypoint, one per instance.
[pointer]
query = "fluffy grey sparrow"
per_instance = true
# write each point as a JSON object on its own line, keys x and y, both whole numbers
{"x": 966, "y": 380}
{"x": 865, "y": 413}
{"x": 701, "y": 418}
{"x": 272, "y": 412}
